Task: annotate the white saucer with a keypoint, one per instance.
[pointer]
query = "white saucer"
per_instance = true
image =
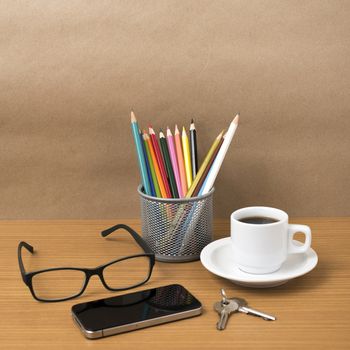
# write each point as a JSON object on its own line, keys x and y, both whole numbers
{"x": 217, "y": 257}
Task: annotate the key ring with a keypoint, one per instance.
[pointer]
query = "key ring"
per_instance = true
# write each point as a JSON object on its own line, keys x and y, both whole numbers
{"x": 224, "y": 297}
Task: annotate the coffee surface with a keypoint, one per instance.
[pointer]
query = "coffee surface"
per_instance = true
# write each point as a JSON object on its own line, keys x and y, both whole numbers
{"x": 258, "y": 220}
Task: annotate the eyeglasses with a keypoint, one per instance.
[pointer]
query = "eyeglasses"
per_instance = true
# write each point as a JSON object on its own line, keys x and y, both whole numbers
{"x": 64, "y": 283}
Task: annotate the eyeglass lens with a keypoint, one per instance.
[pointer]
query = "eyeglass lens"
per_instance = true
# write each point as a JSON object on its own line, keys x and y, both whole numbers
{"x": 127, "y": 273}
{"x": 58, "y": 284}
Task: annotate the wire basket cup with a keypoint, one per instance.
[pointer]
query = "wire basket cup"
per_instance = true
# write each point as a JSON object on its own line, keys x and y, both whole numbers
{"x": 177, "y": 229}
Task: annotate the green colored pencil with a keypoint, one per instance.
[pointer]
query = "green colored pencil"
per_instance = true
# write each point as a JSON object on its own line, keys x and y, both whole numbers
{"x": 151, "y": 166}
{"x": 168, "y": 165}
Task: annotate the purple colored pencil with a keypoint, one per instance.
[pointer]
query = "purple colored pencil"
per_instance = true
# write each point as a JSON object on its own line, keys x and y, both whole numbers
{"x": 173, "y": 157}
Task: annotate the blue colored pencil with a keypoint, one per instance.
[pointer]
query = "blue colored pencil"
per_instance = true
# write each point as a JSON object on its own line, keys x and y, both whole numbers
{"x": 140, "y": 156}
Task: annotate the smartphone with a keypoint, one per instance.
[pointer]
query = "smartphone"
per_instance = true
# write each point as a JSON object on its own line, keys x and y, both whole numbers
{"x": 128, "y": 312}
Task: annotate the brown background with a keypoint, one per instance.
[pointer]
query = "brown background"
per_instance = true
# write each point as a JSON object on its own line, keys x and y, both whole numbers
{"x": 71, "y": 71}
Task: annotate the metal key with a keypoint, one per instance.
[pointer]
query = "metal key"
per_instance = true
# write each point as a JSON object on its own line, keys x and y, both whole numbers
{"x": 247, "y": 310}
{"x": 225, "y": 309}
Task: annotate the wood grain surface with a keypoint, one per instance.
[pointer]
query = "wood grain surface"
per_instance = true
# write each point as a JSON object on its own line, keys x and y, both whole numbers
{"x": 313, "y": 311}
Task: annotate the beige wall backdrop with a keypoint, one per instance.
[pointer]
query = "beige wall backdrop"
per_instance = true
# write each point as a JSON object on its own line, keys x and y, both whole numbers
{"x": 71, "y": 70}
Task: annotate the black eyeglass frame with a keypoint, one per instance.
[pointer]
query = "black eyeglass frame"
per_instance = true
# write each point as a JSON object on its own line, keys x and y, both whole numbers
{"x": 27, "y": 277}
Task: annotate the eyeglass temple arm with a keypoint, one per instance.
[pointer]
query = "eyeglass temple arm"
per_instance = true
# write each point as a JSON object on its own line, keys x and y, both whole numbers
{"x": 20, "y": 260}
{"x": 139, "y": 240}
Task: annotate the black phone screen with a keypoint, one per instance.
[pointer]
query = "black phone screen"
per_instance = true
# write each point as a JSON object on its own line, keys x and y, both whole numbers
{"x": 134, "y": 307}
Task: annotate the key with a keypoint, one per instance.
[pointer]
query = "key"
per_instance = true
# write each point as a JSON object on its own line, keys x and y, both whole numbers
{"x": 225, "y": 310}
{"x": 247, "y": 310}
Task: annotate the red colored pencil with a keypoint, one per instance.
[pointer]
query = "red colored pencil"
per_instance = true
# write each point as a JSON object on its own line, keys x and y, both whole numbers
{"x": 160, "y": 161}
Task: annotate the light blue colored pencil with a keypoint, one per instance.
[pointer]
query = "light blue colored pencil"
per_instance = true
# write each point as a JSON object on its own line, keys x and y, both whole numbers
{"x": 140, "y": 155}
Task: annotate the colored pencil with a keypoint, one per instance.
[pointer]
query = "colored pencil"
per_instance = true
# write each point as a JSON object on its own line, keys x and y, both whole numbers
{"x": 156, "y": 167}
{"x": 150, "y": 161}
{"x": 140, "y": 155}
{"x": 180, "y": 161}
{"x": 193, "y": 143}
{"x": 187, "y": 157}
{"x": 160, "y": 161}
{"x": 209, "y": 182}
{"x": 169, "y": 168}
{"x": 150, "y": 180}
{"x": 207, "y": 169}
{"x": 174, "y": 162}
{"x": 204, "y": 164}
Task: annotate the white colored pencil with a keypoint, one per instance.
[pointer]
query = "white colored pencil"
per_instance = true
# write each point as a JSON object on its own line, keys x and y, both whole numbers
{"x": 209, "y": 182}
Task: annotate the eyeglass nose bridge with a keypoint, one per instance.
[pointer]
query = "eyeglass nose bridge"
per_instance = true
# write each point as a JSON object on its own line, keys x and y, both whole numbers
{"x": 92, "y": 272}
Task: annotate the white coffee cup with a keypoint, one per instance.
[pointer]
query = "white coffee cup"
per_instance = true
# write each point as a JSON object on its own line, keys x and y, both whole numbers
{"x": 263, "y": 248}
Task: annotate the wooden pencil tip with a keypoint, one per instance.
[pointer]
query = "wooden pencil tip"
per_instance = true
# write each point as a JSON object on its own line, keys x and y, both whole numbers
{"x": 236, "y": 119}
{"x": 220, "y": 135}
{"x": 161, "y": 135}
{"x": 176, "y": 129}
{"x": 192, "y": 121}
{"x": 133, "y": 117}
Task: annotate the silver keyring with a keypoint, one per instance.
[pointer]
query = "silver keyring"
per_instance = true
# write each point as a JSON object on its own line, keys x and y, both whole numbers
{"x": 224, "y": 296}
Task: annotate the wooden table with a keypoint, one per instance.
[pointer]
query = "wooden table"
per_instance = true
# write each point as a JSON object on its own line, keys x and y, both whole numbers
{"x": 313, "y": 311}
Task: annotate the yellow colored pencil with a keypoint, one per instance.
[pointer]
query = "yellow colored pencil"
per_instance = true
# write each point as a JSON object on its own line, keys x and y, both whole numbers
{"x": 204, "y": 165}
{"x": 187, "y": 157}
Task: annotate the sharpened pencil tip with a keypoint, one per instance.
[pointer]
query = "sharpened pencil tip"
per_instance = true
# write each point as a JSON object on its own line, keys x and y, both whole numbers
{"x": 236, "y": 119}
{"x": 220, "y": 135}
{"x": 133, "y": 117}
{"x": 192, "y": 126}
{"x": 176, "y": 129}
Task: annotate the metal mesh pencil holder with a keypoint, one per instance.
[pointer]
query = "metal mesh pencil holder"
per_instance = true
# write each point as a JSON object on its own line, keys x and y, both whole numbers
{"x": 177, "y": 229}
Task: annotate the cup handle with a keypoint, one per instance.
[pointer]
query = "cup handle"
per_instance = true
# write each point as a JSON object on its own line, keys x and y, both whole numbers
{"x": 292, "y": 230}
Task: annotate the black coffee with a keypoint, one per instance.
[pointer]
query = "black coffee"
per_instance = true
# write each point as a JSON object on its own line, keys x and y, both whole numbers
{"x": 258, "y": 220}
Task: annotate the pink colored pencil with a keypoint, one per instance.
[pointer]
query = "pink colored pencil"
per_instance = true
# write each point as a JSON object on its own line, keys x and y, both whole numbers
{"x": 180, "y": 160}
{"x": 173, "y": 157}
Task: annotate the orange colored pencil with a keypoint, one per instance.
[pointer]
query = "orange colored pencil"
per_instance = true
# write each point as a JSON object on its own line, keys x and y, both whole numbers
{"x": 156, "y": 166}
{"x": 180, "y": 160}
